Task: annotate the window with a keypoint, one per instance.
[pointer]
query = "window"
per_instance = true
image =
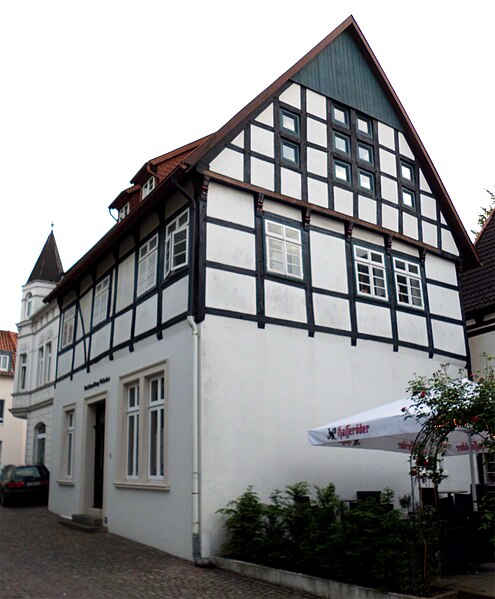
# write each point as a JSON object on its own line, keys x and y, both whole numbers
{"x": 100, "y": 302}
{"x": 69, "y": 318}
{"x": 132, "y": 418}
{"x": 408, "y": 283}
{"x": 290, "y": 152}
{"x": 176, "y": 243}
{"x": 407, "y": 172}
{"x": 144, "y": 436}
{"x": 147, "y": 265}
{"x": 124, "y": 211}
{"x": 408, "y": 198}
{"x": 364, "y": 126}
{"x": 148, "y": 187}
{"x": 365, "y": 153}
{"x": 22, "y": 371}
{"x": 2, "y": 408}
{"x": 342, "y": 171}
{"x": 283, "y": 250}
{"x": 370, "y": 273}
{"x": 41, "y": 366}
{"x": 340, "y": 115}
{"x": 39, "y": 443}
{"x": 4, "y": 362}
{"x": 290, "y": 122}
{"x": 156, "y": 420}
{"x": 69, "y": 444}
{"x": 341, "y": 143}
{"x": 29, "y": 304}
{"x": 48, "y": 361}
{"x": 366, "y": 181}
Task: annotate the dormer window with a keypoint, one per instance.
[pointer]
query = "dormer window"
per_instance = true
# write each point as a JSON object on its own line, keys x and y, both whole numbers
{"x": 124, "y": 211}
{"x": 148, "y": 187}
{"x": 4, "y": 363}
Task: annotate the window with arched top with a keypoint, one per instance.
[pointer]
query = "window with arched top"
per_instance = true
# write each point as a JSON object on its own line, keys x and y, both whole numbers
{"x": 29, "y": 304}
{"x": 39, "y": 443}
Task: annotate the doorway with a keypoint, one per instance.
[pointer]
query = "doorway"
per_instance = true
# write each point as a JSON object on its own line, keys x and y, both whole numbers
{"x": 98, "y": 409}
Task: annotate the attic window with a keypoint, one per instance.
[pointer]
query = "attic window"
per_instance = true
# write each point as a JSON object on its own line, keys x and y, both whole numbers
{"x": 290, "y": 152}
{"x": 340, "y": 115}
{"x": 364, "y": 126}
{"x": 148, "y": 187}
{"x": 289, "y": 122}
{"x": 124, "y": 211}
{"x": 407, "y": 171}
{"x": 408, "y": 198}
{"x": 365, "y": 153}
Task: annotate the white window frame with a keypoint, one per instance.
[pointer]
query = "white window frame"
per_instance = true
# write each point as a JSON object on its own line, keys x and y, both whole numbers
{"x": 369, "y": 269}
{"x": 147, "y": 262}
{"x": 29, "y": 304}
{"x": 156, "y": 428}
{"x": 176, "y": 237}
{"x": 22, "y": 371}
{"x": 69, "y": 431}
{"x": 132, "y": 431}
{"x": 283, "y": 245}
{"x": 48, "y": 361}
{"x": 100, "y": 300}
{"x": 41, "y": 366}
{"x": 124, "y": 211}
{"x": 38, "y": 438}
{"x": 68, "y": 327}
{"x": 411, "y": 280}
{"x": 4, "y": 363}
{"x": 148, "y": 187}
{"x": 137, "y": 459}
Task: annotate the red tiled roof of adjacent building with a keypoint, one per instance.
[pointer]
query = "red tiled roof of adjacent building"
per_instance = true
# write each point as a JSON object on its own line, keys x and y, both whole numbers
{"x": 8, "y": 343}
{"x": 478, "y": 284}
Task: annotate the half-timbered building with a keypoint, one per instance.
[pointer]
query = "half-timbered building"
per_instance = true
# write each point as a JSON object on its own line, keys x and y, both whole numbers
{"x": 298, "y": 265}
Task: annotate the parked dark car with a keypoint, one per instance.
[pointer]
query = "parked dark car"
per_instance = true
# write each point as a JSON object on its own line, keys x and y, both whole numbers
{"x": 23, "y": 484}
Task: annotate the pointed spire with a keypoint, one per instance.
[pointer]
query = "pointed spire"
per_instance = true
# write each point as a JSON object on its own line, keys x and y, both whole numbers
{"x": 48, "y": 267}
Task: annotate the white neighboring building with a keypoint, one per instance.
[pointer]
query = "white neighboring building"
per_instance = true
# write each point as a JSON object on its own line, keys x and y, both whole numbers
{"x": 36, "y": 354}
{"x": 298, "y": 265}
{"x": 12, "y": 431}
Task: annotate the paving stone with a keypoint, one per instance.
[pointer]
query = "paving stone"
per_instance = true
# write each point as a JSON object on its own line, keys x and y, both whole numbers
{"x": 41, "y": 559}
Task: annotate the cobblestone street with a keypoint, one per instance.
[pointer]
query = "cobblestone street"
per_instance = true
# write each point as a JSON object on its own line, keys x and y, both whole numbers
{"x": 41, "y": 559}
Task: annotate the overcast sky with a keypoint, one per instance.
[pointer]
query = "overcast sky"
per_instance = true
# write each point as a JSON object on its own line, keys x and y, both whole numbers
{"x": 92, "y": 90}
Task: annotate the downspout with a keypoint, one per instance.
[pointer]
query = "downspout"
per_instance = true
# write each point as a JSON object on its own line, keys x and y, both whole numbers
{"x": 196, "y": 537}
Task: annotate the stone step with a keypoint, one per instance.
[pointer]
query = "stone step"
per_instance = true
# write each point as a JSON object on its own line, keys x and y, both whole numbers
{"x": 84, "y": 524}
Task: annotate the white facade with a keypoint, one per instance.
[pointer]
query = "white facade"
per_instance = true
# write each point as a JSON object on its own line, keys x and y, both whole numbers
{"x": 300, "y": 271}
{"x": 12, "y": 430}
{"x": 35, "y": 372}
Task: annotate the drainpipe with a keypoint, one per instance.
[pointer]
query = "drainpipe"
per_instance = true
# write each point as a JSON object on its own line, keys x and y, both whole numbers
{"x": 196, "y": 537}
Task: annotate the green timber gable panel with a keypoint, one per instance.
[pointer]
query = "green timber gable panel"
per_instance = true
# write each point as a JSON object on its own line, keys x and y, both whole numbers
{"x": 342, "y": 72}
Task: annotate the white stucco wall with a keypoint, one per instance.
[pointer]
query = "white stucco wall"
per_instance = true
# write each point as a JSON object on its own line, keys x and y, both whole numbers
{"x": 262, "y": 389}
{"x": 160, "y": 518}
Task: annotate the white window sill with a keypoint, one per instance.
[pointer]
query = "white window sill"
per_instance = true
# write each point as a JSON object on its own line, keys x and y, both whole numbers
{"x": 142, "y": 486}
{"x": 66, "y": 483}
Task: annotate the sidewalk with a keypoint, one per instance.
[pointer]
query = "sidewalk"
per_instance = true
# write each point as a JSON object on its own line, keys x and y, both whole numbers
{"x": 481, "y": 584}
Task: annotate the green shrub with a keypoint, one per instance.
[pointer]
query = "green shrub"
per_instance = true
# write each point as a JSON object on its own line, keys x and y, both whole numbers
{"x": 371, "y": 545}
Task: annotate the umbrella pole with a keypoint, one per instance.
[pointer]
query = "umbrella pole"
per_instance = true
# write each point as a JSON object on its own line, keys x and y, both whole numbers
{"x": 471, "y": 467}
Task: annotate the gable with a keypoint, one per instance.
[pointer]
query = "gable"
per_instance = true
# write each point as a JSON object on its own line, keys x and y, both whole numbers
{"x": 326, "y": 165}
{"x": 341, "y": 71}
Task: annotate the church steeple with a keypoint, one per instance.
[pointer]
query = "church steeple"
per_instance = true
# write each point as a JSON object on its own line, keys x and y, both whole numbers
{"x": 48, "y": 267}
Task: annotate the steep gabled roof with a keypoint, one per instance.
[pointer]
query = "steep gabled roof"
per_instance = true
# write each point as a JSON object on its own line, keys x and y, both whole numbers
{"x": 350, "y": 27}
{"x": 48, "y": 267}
{"x": 8, "y": 343}
{"x": 478, "y": 284}
{"x": 174, "y": 165}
